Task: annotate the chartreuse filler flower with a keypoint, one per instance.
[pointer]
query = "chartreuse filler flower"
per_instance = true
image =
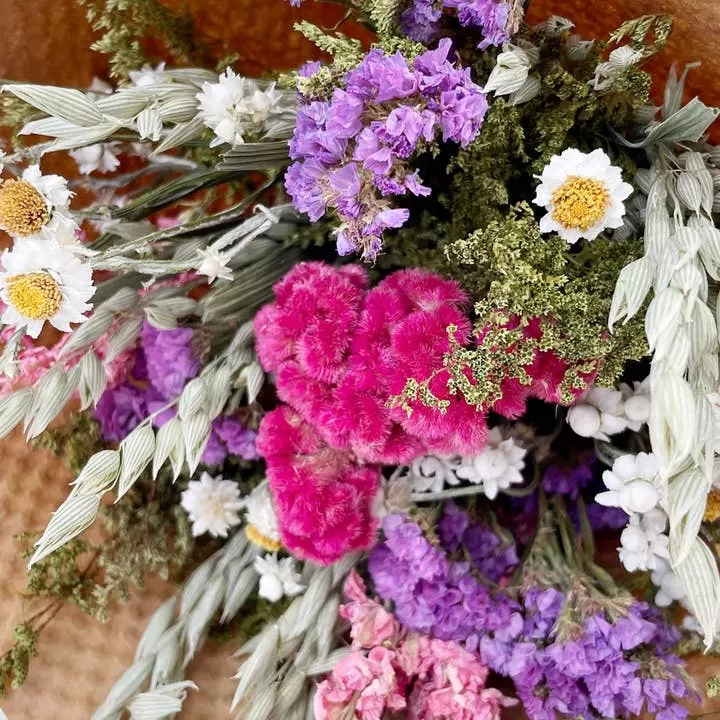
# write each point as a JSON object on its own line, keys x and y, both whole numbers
{"x": 368, "y": 353}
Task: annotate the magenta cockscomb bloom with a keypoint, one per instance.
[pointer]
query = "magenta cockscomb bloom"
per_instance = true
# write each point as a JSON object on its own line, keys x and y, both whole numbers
{"x": 322, "y": 497}
{"x": 341, "y": 353}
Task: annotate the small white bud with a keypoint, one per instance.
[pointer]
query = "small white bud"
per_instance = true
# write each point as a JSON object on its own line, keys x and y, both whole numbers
{"x": 584, "y": 420}
{"x": 637, "y": 408}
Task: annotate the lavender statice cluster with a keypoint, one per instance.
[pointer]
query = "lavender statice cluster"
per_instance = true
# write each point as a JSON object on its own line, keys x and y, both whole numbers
{"x": 590, "y": 667}
{"x": 489, "y": 554}
{"x": 431, "y": 593}
{"x": 165, "y": 361}
{"x": 353, "y": 152}
{"x": 421, "y": 21}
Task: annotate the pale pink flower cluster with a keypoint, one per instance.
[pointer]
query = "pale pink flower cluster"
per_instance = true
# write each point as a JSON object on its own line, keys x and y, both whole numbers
{"x": 392, "y": 671}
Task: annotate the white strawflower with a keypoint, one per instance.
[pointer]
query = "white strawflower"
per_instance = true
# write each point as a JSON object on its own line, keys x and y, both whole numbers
{"x": 498, "y": 466}
{"x": 583, "y": 194}
{"x": 100, "y": 157}
{"x": 212, "y": 504}
{"x": 41, "y": 281}
{"x": 213, "y": 264}
{"x": 235, "y": 106}
{"x": 632, "y": 484}
{"x": 262, "y": 527}
{"x": 149, "y": 75}
{"x": 644, "y": 546}
{"x": 599, "y": 413}
{"x": 278, "y": 578}
{"x": 636, "y": 403}
{"x": 431, "y": 473}
{"x": 37, "y": 204}
{"x": 670, "y": 588}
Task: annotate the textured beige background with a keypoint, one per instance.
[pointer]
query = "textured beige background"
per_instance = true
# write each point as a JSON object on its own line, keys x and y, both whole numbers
{"x": 47, "y": 41}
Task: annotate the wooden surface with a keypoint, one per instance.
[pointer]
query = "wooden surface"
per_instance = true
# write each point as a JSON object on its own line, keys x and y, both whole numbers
{"x": 47, "y": 41}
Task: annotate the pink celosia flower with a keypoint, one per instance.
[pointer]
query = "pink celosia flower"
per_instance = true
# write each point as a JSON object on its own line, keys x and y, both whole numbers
{"x": 340, "y": 354}
{"x": 370, "y": 685}
{"x": 450, "y": 681}
{"x": 371, "y": 624}
{"x": 323, "y": 498}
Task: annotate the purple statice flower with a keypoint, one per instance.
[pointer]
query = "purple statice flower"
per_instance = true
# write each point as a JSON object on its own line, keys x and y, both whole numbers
{"x": 431, "y": 593}
{"x": 606, "y": 518}
{"x": 229, "y": 437}
{"x": 353, "y": 152}
{"x": 568, "y": 480}
{"x": 170, "y": 359}
{"x": 489, "y": 16}
{"x": 420, "y": 21}
{"x": 309, "y": 68}
{"x": 600, "y": 669}
{"x": 120, "y": 410}
{"x": 487, "y": 551}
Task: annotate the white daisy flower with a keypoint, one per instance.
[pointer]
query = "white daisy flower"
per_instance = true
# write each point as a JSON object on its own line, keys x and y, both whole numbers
{"x": 644, "y": 546}
{"x": 101, "y": 157}
{"x": 37, "y": 204}
{"x": 632, "y": 484}
{"x": 598, "y": 414}
{"x": 148, "y": 75}
{"x": 214, "y": 264}
{"x": 278, "y": 578}
{"x": 636, "y": 403}
{"x": 262, "y": 527}
{"x": 497, "y": 467}
{"x": 236, "y": 105}
{"x": 212, "y": 504}
{"x": 41, "y": 281}
{"x": 583, "y": 194}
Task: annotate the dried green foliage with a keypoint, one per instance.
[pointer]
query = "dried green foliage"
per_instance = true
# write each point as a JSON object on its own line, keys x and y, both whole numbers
{"x": 648, "y": 33}
{"x": 497, "y": 169}
{"x": 149, "y": 533}
{"x": 346, "y": 52}
{"x": 14, "y": 113}
{"x": 74, "y": 441}
{"x": 15, "y": 662}
{"x": 256, "y": 614}
{"x": 712, "y": 687}
{"x": 515, "y": 272}
{"x": 123, "y": 23}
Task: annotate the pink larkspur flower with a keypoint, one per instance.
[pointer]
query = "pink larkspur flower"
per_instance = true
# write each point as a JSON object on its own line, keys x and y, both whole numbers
{"x": 368, "y": 683}
{"x": 450, "y": 681}
{"x": 371, "y": 624}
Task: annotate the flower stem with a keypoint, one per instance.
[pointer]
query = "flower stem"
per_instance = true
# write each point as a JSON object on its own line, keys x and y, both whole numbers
{"x": 446, "y": 494}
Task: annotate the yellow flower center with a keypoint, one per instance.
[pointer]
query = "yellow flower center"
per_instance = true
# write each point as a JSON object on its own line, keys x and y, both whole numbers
{"x": 36, "y": 295}
{"x": 22, "y": 208}
{"x": 255, "y": 536}
{"x": 712, "y": 508}
{"x": 579, "y": 203}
